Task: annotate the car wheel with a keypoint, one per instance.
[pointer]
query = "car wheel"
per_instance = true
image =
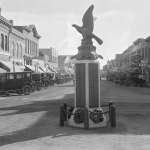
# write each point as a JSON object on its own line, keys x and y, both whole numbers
{"x": 20, "y": 92}
{"x": 26, "y": 90}
{"x": 46, "y": 84}
{"x": 38, "y": 87}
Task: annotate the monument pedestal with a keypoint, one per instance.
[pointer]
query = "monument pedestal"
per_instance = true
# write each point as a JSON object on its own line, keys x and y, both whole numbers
{"x": 87, "y": 112}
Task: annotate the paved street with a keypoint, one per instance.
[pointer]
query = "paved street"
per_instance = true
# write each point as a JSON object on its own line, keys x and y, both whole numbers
{"x": 32, "y": 122}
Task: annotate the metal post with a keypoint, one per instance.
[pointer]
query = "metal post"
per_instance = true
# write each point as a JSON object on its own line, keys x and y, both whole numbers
{"x": 86, "y": 119}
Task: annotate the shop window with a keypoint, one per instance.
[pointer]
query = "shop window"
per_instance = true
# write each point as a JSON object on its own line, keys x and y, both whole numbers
{"x": 2, "y": 41}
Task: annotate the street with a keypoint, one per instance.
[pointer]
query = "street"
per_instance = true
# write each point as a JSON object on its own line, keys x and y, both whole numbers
{"x": 32, "y": 122}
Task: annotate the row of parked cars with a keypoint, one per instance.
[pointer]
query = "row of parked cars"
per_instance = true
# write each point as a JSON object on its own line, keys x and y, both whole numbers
{"x": 127, "y": 79}
{"x": 27, "y": 82}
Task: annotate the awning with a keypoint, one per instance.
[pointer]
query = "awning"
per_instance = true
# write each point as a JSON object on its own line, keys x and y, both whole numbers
{"x": 51, "y": 70}
{"x": 19, "y": 68}
{"x": 29, "y": 68}
{"x": 2, "y": 70}
{"x": 8, "y": 66}
{"x": 40, "y": 70}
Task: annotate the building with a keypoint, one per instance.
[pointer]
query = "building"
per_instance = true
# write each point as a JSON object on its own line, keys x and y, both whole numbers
{"x": 5, "y": 26}
{"x": 65, "y": 65}
{"x": 50, "y": 56}
{"x": 140, "y": 49}
{"x": 31, "y": 38}
{"x": 17, "y": 49}
{"x": 18, "y": 45}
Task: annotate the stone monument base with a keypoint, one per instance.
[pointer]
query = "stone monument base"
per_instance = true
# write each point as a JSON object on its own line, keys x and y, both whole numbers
{"x": 93, "y": 119}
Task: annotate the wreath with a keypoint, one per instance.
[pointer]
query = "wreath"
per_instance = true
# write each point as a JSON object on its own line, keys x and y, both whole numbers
{"x": 96, "y": 116}
{"x": 79, "y": 116}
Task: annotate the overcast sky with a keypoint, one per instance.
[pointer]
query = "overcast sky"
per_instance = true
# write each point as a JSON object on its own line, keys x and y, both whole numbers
{"x": 119, "y": 22}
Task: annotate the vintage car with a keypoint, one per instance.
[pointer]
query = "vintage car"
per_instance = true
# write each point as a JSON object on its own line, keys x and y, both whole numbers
{"x": 16, "y": 82}
{"x": 45, "y": 80}
{"x": 59, "y": 79}
{"x": 37, "y": 81}
{"x": 52, "y": 78}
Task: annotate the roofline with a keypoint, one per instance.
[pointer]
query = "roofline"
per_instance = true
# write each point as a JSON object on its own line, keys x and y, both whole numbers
{"x": 5, "y": 21}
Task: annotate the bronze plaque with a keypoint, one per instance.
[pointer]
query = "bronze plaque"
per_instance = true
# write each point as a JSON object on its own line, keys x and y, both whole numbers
{"x": 93, "y": 85}
{"x": 80, "y": 85}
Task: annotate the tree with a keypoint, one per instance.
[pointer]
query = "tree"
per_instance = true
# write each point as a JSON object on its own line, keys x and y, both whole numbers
{"x": 135, "y": 67}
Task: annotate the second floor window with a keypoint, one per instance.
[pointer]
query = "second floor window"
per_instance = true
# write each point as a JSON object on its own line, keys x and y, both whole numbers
{"x": 2, "y": 41}
{"x": 20, "y": 50}
{"x": 17, "y": 50}
{"x": 13, "y": 49}
{"x": 6, "y": 43}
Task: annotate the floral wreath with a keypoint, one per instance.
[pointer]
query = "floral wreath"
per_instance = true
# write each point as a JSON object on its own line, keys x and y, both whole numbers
{"x": 96, "y": 116}
{"x": 79, "y": 116}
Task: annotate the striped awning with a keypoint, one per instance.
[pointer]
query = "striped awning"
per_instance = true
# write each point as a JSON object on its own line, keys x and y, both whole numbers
{"x": 29, "y": 68}
{"x": 6, "y": 65}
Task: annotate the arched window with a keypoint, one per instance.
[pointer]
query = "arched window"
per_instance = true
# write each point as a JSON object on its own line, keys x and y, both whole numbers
{"x": 21, "y": 51}
{"x": 13, "y": 49}
{"x": 6, "y": 43}
{"x": 2, "y": 41}
{"x": 17, "y": 50}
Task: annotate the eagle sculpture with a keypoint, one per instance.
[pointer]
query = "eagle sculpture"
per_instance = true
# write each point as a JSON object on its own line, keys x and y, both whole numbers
{"x": 88, "y": 25}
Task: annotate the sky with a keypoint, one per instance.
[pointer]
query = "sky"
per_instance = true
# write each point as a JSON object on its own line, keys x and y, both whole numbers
{"x": 118, "y": 23}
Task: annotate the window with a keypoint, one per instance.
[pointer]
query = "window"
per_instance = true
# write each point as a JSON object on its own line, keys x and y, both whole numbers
{"x": 20, "y": 51}
{"x": 36, "y": 49}
{"x": 26, "y": 46}
{"x": 13, "y": 48}
{"x": 18, "y": 76}
{"x": 2, "y": 41}
{"x": 11, "y": 76}
{"x": 142, "y": 52}
{"x": 28, "y": 74}
{"x": 2, "y": 77}
{"x": 17, "y": 50}
{"x": 6, "y": 43}
{"x": 30, "y": 47}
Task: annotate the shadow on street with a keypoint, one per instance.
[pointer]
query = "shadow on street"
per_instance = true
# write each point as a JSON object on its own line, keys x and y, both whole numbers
{"x": 48, "y": 125}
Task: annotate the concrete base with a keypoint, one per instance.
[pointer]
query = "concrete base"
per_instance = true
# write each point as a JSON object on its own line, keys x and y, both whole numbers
{"x": 92, "y": 124}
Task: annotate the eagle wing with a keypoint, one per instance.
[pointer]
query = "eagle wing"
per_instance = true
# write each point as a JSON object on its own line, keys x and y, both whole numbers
{"x": 88, "y": 19}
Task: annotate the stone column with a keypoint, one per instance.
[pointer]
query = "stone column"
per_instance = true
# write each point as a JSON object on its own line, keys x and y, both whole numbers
{"x": 87, "y": 95}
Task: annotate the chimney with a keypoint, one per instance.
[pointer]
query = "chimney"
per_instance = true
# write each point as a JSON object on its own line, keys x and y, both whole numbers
{"x": 0, "y": 11}
{"x": 11, "y": 21}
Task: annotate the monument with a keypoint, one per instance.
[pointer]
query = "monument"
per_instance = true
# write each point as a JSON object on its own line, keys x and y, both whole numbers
{"x": 87, "y": 51}
{"x": 87, "y": 111}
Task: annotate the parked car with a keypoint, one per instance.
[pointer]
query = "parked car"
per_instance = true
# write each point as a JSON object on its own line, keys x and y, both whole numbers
{"x": 16, "y": 82}
{"x": 37, "y": 81}
{"x": 52, "y": 78}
